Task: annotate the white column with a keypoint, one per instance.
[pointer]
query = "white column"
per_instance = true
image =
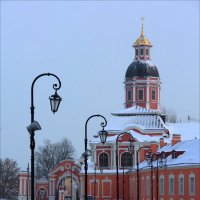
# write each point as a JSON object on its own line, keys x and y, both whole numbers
{"x": 52, "y": 189}
{"x": 20, "y": 186}
{"x": 25, "y": 184}
{"x": 147, "y": 94}
{"x": 158, "y": 96}
{"x": 134, "y": 93}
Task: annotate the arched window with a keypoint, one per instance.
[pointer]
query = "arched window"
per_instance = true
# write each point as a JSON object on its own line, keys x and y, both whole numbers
{"x": 153, "y": 94}
{"x": 103, "y": 160}
{"x": 141, "y": 52}
{"x": 147, "y": 52}
{"x": 136, "y": 52}
{"x": 126, "y": 159}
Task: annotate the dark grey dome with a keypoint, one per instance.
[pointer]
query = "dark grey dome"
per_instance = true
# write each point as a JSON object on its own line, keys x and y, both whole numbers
{"x": 142, "y": 69}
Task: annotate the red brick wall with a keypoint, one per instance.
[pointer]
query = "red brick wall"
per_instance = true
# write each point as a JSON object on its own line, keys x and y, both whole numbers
{"x": 186, "y": 171}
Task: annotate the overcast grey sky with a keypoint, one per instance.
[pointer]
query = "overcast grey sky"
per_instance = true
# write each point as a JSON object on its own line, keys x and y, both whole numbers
{"x": 88, "y": 45}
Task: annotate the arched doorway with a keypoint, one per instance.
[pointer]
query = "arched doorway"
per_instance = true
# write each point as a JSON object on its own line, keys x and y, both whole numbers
{"x": 67, "y": 189}
{"x": 42, "y": 194}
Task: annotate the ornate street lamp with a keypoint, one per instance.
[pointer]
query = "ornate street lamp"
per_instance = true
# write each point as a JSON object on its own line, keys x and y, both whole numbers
{"x": 103, "y": 136}
{"x": 85, "y": 155}
{"x": 138, "y": 180}
{"x": 55, "y": 100}
{"x": 161, "y": 161}
{"x": 149, "y": 159}
{"x": 117, "y": 160}
{"x": 34, "y": 126}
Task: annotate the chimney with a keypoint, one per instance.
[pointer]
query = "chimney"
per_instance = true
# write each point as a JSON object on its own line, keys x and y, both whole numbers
{"x": 175, "y": 139}
{"x": 162, "y": 143}
{"x": 154, "y": 147}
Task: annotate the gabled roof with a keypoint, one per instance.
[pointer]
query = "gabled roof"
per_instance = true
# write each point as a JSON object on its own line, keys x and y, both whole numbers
{"x": 190, "y": 155}
{"x": 136, "y": 118}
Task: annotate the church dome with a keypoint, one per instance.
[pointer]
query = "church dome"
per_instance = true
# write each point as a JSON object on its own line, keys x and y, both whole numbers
{"x": 142, "y": 41}
{"x": 142, "y": 69}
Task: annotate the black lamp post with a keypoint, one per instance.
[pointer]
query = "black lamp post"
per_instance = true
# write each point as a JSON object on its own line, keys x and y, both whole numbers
{"x": 149, "y": 159}
{"x": 34, "y": 126}
{"x": 117, "y": 160}
{"x": 94, "y": 181}
{"x": 123, "y": 182}
{"x": 160, "y": 159}
{"x": 161, "y": 163}
{"x": 103, "y": 135}
{"x": 71, "y": 185}
{"x": 27, "y": 184}
{"x": 138, "y": 180}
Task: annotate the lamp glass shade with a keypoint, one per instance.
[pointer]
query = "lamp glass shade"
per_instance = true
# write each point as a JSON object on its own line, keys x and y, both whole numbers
{"x": 163, "y": 155}
{"x": 161, "y": 163}
{"x": 148, "y": 159}
{"x": 55, "y": 100}
{"x": 103, "y": 136}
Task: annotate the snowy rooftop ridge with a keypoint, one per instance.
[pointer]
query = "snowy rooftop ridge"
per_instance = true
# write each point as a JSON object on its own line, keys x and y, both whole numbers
{"x": 191, "y": 155}
{"x": 135, "y": 110}
{"x": 141, "y": 122}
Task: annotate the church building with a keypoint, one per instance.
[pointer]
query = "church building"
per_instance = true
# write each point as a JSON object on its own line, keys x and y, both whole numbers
{"x": 143, "y": 158}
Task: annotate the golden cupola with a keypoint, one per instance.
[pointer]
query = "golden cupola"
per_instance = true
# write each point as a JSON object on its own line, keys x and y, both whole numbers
{"x": 142, "y": 40}
{"x": 142, "y": 46}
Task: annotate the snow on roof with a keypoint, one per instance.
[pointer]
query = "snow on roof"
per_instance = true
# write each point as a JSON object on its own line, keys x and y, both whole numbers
{"x": 135, "y": 110}
{"x": 187, "y": 131}
{"x": 140, "y": 121}
{"x": 191, "y": 155}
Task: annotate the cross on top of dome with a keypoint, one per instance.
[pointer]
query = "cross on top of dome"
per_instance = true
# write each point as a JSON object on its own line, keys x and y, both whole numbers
{"x": 142, "y": 40}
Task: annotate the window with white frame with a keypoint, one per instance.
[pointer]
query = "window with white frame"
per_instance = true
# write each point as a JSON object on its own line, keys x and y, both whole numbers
{"x": 171, "y": 185}
{"x": 192, "y": 184}
{"x": 161, "y": 185}
{"x": 126, "y": 159}
{"x": 129, "y": 95}
{"x": 103, "y": 160}
{"x": 153, "y": 94}
{"x": 141, "y": 94}
{"x": 181, "y": 184}
{"x": 147, "y": 185}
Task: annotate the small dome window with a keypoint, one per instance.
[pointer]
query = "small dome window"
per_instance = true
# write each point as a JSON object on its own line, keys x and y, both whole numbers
{"x": 147, "y": 52}
{"x": 136, "y": 52}
{"x": 141, "y": 52}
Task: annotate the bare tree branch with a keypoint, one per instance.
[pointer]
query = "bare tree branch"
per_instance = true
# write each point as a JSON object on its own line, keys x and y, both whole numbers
{"x": 49, "y": 155}
{"x": 171, "y": 116}
{"x": 8, "y": 179}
